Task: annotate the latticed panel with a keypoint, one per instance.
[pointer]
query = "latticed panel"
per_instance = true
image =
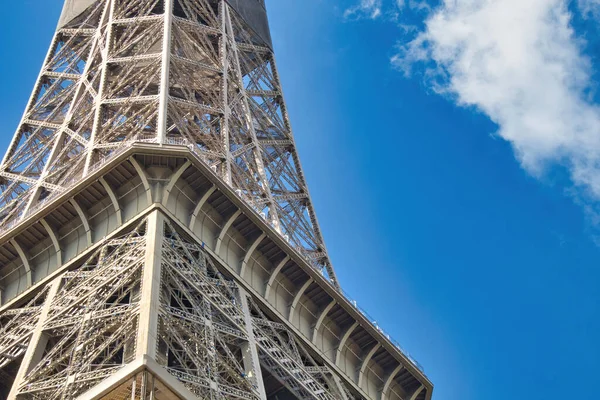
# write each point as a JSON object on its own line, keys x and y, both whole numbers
{"x": 205, "y": 326}
{"x": 201, "y": 325}
{"x": 16, "y": 327}
{"x": 179, "y": 72}
{"x": 91, "y": 325}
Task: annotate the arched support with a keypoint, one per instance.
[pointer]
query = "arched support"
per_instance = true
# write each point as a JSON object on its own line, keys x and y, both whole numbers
{"x": 321, "y": 319}
{"x": 274, "y": 274}
{"x": 250, "y": 252}
{"x": 140, "y": 171}
{"x": 174, "y": 178}
{"x": 84, "y": 220}
{"x": 226, "y": 227}
{"x": 113, "y": 199}
{"x": 365, "y": 363}
{"x": 198, "y": 207}
{"x": 54, "y": 239}
{"x": 388, "y": 382}
{"x": 24, "y": 260}
{"x": 417, "y": 393}
{"x": 298, "y": 297}
{"x": 343, "y": 340}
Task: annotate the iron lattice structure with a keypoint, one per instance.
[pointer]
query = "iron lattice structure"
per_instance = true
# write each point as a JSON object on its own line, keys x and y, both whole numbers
{"x": 125, "y": 71}
{"x": 157, "y": 238}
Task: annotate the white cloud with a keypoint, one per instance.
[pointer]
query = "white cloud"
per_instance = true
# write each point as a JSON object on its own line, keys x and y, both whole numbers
{"x": 422, "y": 5}
{"x": 519, "y": 62}
{"x": 365, "y": 9}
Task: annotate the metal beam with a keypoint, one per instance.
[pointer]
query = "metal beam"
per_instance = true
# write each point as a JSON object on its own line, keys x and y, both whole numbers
{"x": 388, "y": 381}
{"x": 198, "y": 207}
{"x": 226, "y": 227}
{"x": 147, "y": 336}
{"x": 343, "y": 340}
{"x": 163, "y": 106}
{"x": 274, "y": 274}
{"x": 143, "y": 177}
{"x": 297, "y": 298}
{"x": 107, "y": 18}
{"x": 113, "y": 199}
{"x": 321, "y": 319}
{"x": 54, "y": 239}
{"x": 365, "y": 363}
{"x": 417, "y": 393}
{"x": 249, "y": 253}
{"x": 250, "y": 353}
{"x": 174, "y": 178}
{"x": 24, "y": 260}
{"x": 84, "y": 220}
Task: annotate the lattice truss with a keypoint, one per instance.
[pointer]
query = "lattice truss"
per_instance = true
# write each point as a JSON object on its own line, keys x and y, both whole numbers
{"x": 16, "y": 326}
{"x": 125, "y": 72}
{"x": 195, "y": 295}
{"x": 92, "y": 321}
{"x": 206, "y": 324}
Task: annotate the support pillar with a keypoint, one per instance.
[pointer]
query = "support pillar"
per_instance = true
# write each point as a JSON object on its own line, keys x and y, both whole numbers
{"x": 147, "y": 338}
{"x": 250, "y": 350}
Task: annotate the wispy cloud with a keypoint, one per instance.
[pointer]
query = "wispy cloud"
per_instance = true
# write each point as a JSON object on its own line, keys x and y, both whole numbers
{"x": 589, "y": 8}
{"x": 521, "y": 63}
{"x": 365, "y": 9}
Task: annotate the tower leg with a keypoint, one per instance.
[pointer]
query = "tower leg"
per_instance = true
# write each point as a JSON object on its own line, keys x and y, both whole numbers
{"x": 147, "y": 338}
{"x": 250, "y": 350}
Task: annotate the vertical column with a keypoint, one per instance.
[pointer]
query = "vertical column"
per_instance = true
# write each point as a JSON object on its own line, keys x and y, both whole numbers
{"x": 164, "y": 75}
{"x": 226, "y": 172}
{"x": 250, "y": 351}
{"x": 105, "y": 52}
{"x": 37, "y": 344}
{"x": 150, "y": 290}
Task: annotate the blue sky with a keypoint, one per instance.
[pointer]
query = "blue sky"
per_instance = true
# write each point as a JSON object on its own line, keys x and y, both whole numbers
{"x": 452, "y": 155}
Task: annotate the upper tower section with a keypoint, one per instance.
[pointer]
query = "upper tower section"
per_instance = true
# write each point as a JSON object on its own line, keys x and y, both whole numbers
{"x": 252, "y": 11}
{"x": 194, "y": 73}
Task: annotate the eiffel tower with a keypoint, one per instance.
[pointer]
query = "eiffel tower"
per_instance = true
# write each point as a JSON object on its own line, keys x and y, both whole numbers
{"x": 157, "y": 238}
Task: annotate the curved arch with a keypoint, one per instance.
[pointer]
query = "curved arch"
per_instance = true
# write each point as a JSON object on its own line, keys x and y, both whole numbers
{"x": 417, "y": 393}
{"x": 365, "y": 363}
{"x": 84, "y": 220}
{"x": 198, "y": 207}
{"x": 54, "y": 239}
{"x": 274, "y": 274}
{"x": 113, "y": 199}
{"x": 343, "y": 341}
{"x": 174, "y": 178}
{"x": 298, "y": 296}
{"x": 24, "y": 260}
{"x": 389, "y": 380}
{"x": 140, "y": 171}
{"x": 249, "y": 253}
{"x": 321, "y": 318}
{"x": 225, "y": 228}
